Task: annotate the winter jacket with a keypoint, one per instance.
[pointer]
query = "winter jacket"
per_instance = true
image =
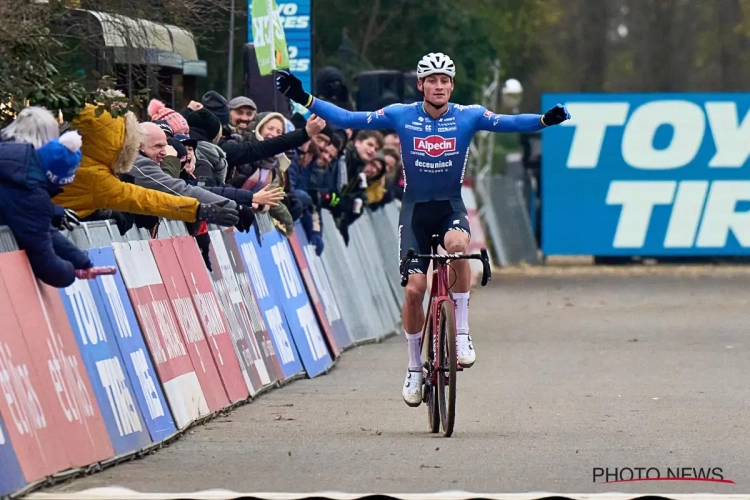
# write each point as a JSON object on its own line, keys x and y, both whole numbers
{"x": 216, "y": 156}
{"x": 110, "y": 146}
{"x": 241, "y": 152}
{"x": 150, "y": 175}
{"x": 26, "y": 208}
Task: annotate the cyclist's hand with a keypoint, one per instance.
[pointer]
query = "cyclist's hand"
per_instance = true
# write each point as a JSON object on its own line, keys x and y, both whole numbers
{"x": 556, "y": 115}
{"x": 269, "y": 196}
{"x": 315, "y": 125}
{"x": 291, "y": 86}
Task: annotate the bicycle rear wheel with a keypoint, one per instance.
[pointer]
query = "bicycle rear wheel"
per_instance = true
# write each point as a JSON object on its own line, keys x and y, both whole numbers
{"x": 431, "y": 393}
{"x": 448, "y": 366}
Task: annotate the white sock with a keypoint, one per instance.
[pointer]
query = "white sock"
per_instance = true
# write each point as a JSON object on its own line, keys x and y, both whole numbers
{"x": 462, "y": 312}
{"x": 415, "y": 353}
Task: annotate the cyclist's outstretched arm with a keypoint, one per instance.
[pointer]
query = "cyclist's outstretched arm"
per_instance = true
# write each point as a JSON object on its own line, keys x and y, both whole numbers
{"x": 359, "y": 120}
{"x": 291, "y": 86}
{"x": 494, "y": 122}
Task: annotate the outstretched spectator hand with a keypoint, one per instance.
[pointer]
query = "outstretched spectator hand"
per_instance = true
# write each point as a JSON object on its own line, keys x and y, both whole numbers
{"x": 268, "y": 196}
{"x": 247, "y": 217}
{"x": 315, "y": 125}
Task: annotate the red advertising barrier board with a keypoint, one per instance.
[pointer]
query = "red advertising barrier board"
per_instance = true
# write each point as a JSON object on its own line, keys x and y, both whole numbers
{"x": 207, "y": 306}
{"x": 73, "y": 408}
{"x": 312, "y": 292}
{"x": 226, "y": 258}
{"x": 207, "y": 360}
{"x": 22, "y": 391}
{"x": 159, "y": 326}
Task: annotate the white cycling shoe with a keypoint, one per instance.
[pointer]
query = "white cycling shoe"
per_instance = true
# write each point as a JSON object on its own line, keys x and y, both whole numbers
{"x": 412, "y": 391}
{"x": 466, "y": 354}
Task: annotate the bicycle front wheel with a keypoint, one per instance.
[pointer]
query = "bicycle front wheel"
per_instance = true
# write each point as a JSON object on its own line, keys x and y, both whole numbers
{"x": 448, "y": 366}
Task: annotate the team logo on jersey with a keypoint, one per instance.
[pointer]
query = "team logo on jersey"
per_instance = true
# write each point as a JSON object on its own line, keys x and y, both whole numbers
{"x": 487, "y": 113}
{"x": 435, "y": 145}
{"x": 381, "y": 112}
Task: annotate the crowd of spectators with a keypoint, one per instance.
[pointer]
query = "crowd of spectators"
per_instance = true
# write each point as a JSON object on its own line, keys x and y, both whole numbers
{"x": 214, "y": 162}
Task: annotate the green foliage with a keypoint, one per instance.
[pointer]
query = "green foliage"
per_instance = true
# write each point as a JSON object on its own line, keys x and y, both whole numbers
{"x": 29, "y": 76}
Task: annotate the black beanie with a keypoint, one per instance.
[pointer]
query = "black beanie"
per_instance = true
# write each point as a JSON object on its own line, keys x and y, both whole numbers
{"x": 179, "y": 147}
{"x": 216, "y": 104}
{"x": 206, "y": 122}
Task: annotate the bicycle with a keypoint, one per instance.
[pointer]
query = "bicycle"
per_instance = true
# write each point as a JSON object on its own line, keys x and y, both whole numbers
{"x": 439, "y": 331}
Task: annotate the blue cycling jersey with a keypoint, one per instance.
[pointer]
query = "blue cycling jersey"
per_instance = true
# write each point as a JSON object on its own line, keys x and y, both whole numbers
{"x": 434, "y": 151}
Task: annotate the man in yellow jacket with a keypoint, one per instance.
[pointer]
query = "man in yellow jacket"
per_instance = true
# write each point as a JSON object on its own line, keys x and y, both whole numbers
{"x": 110, "y": 146}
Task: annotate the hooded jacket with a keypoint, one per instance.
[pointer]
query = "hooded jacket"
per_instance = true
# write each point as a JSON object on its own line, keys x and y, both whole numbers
{"x": 110, "y": 146}
{"x": 213, "y": 154}
{"x": 26, "y": 208}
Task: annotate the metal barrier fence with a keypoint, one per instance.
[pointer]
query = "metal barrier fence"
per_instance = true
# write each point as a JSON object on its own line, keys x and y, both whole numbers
{"x": 505, "y": 214}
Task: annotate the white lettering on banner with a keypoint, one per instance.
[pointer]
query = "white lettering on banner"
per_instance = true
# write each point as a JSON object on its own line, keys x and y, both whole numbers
{"x": 209, "y": 309}
{"x": 321, "y": 282}
{"x": 688, "y": 123}
{"x": 638, "y": 199}
{"x": 172, "y": 339}
{"x": 283, "y": 260}
{"x": 720, "y": 217}
{"x": 148, "y": 387}
{"x": 686, "y": 214}
{"x": 309, "y": 324}
{"x": 591, "y": 121}
{"x": 25, "y": 408}
{"x": 290, "y": 19}
{"x": 265, "y": 28}
{"x": 149, "y": 327}
{"x": 254, "y": 317}
{"x": 253, "y": 267}
{"x": 2, "y": 437}
{"x": 71, "y": 391}
{"x": 731, "y": 136}
{"x": 187, "y": 319}
{"x": 276, "y": 325}
{"x": 115, "y": 302}
{"x": 87, "y": 316}
{"x": 120, "y": 399}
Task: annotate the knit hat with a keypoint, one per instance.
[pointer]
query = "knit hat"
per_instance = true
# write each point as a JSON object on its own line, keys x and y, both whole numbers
{"x": 216, "y": 104}
{"x": 186, "y": 140}
{"x": 179, "y": 148}
{"x": 61, "y": 157}
{"x": 157, "y": 110}
{"x": 206, "y": 122}
{"x": 168, "y": 131}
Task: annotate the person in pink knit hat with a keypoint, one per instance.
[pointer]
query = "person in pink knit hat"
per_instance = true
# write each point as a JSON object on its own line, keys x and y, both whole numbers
{"x": 157, "y": 110}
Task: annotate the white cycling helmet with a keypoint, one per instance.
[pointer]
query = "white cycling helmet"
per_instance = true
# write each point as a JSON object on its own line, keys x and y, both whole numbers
{"x": 436, "y": 63}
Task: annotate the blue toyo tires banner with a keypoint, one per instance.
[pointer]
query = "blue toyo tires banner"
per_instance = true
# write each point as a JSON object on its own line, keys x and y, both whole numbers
{"x": 648, "y": 175}
{"x": 135, "y": 354}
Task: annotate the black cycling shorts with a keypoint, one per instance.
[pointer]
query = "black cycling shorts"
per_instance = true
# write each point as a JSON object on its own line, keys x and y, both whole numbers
{"x": 419, "y": 221}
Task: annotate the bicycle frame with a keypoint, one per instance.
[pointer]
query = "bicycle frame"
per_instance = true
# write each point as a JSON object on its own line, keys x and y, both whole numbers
{"x": 439, "y": 293}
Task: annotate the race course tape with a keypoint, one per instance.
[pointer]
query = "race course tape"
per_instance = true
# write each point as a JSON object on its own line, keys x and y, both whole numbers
{"x": 113, "y": 368}
{"x": 114, "y": 492}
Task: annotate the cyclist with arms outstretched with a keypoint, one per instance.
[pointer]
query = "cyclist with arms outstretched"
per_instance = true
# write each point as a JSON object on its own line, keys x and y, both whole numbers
{"x": 435, "y": 138}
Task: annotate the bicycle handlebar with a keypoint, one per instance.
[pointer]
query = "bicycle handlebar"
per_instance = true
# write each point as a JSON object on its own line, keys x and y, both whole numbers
{"x": 483, "y": 255}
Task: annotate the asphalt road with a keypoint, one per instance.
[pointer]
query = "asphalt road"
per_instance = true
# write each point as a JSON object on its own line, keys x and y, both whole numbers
{"x": 574, "y": 371}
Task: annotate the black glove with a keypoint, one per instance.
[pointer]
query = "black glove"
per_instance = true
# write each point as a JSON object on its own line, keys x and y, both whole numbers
{"x": 124, "y": 221}
{"x": 247, "y": 217}
{"x": 556, "y": 115}
{"x": 219, "y": 213}
{"x": 291, "y": 86}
